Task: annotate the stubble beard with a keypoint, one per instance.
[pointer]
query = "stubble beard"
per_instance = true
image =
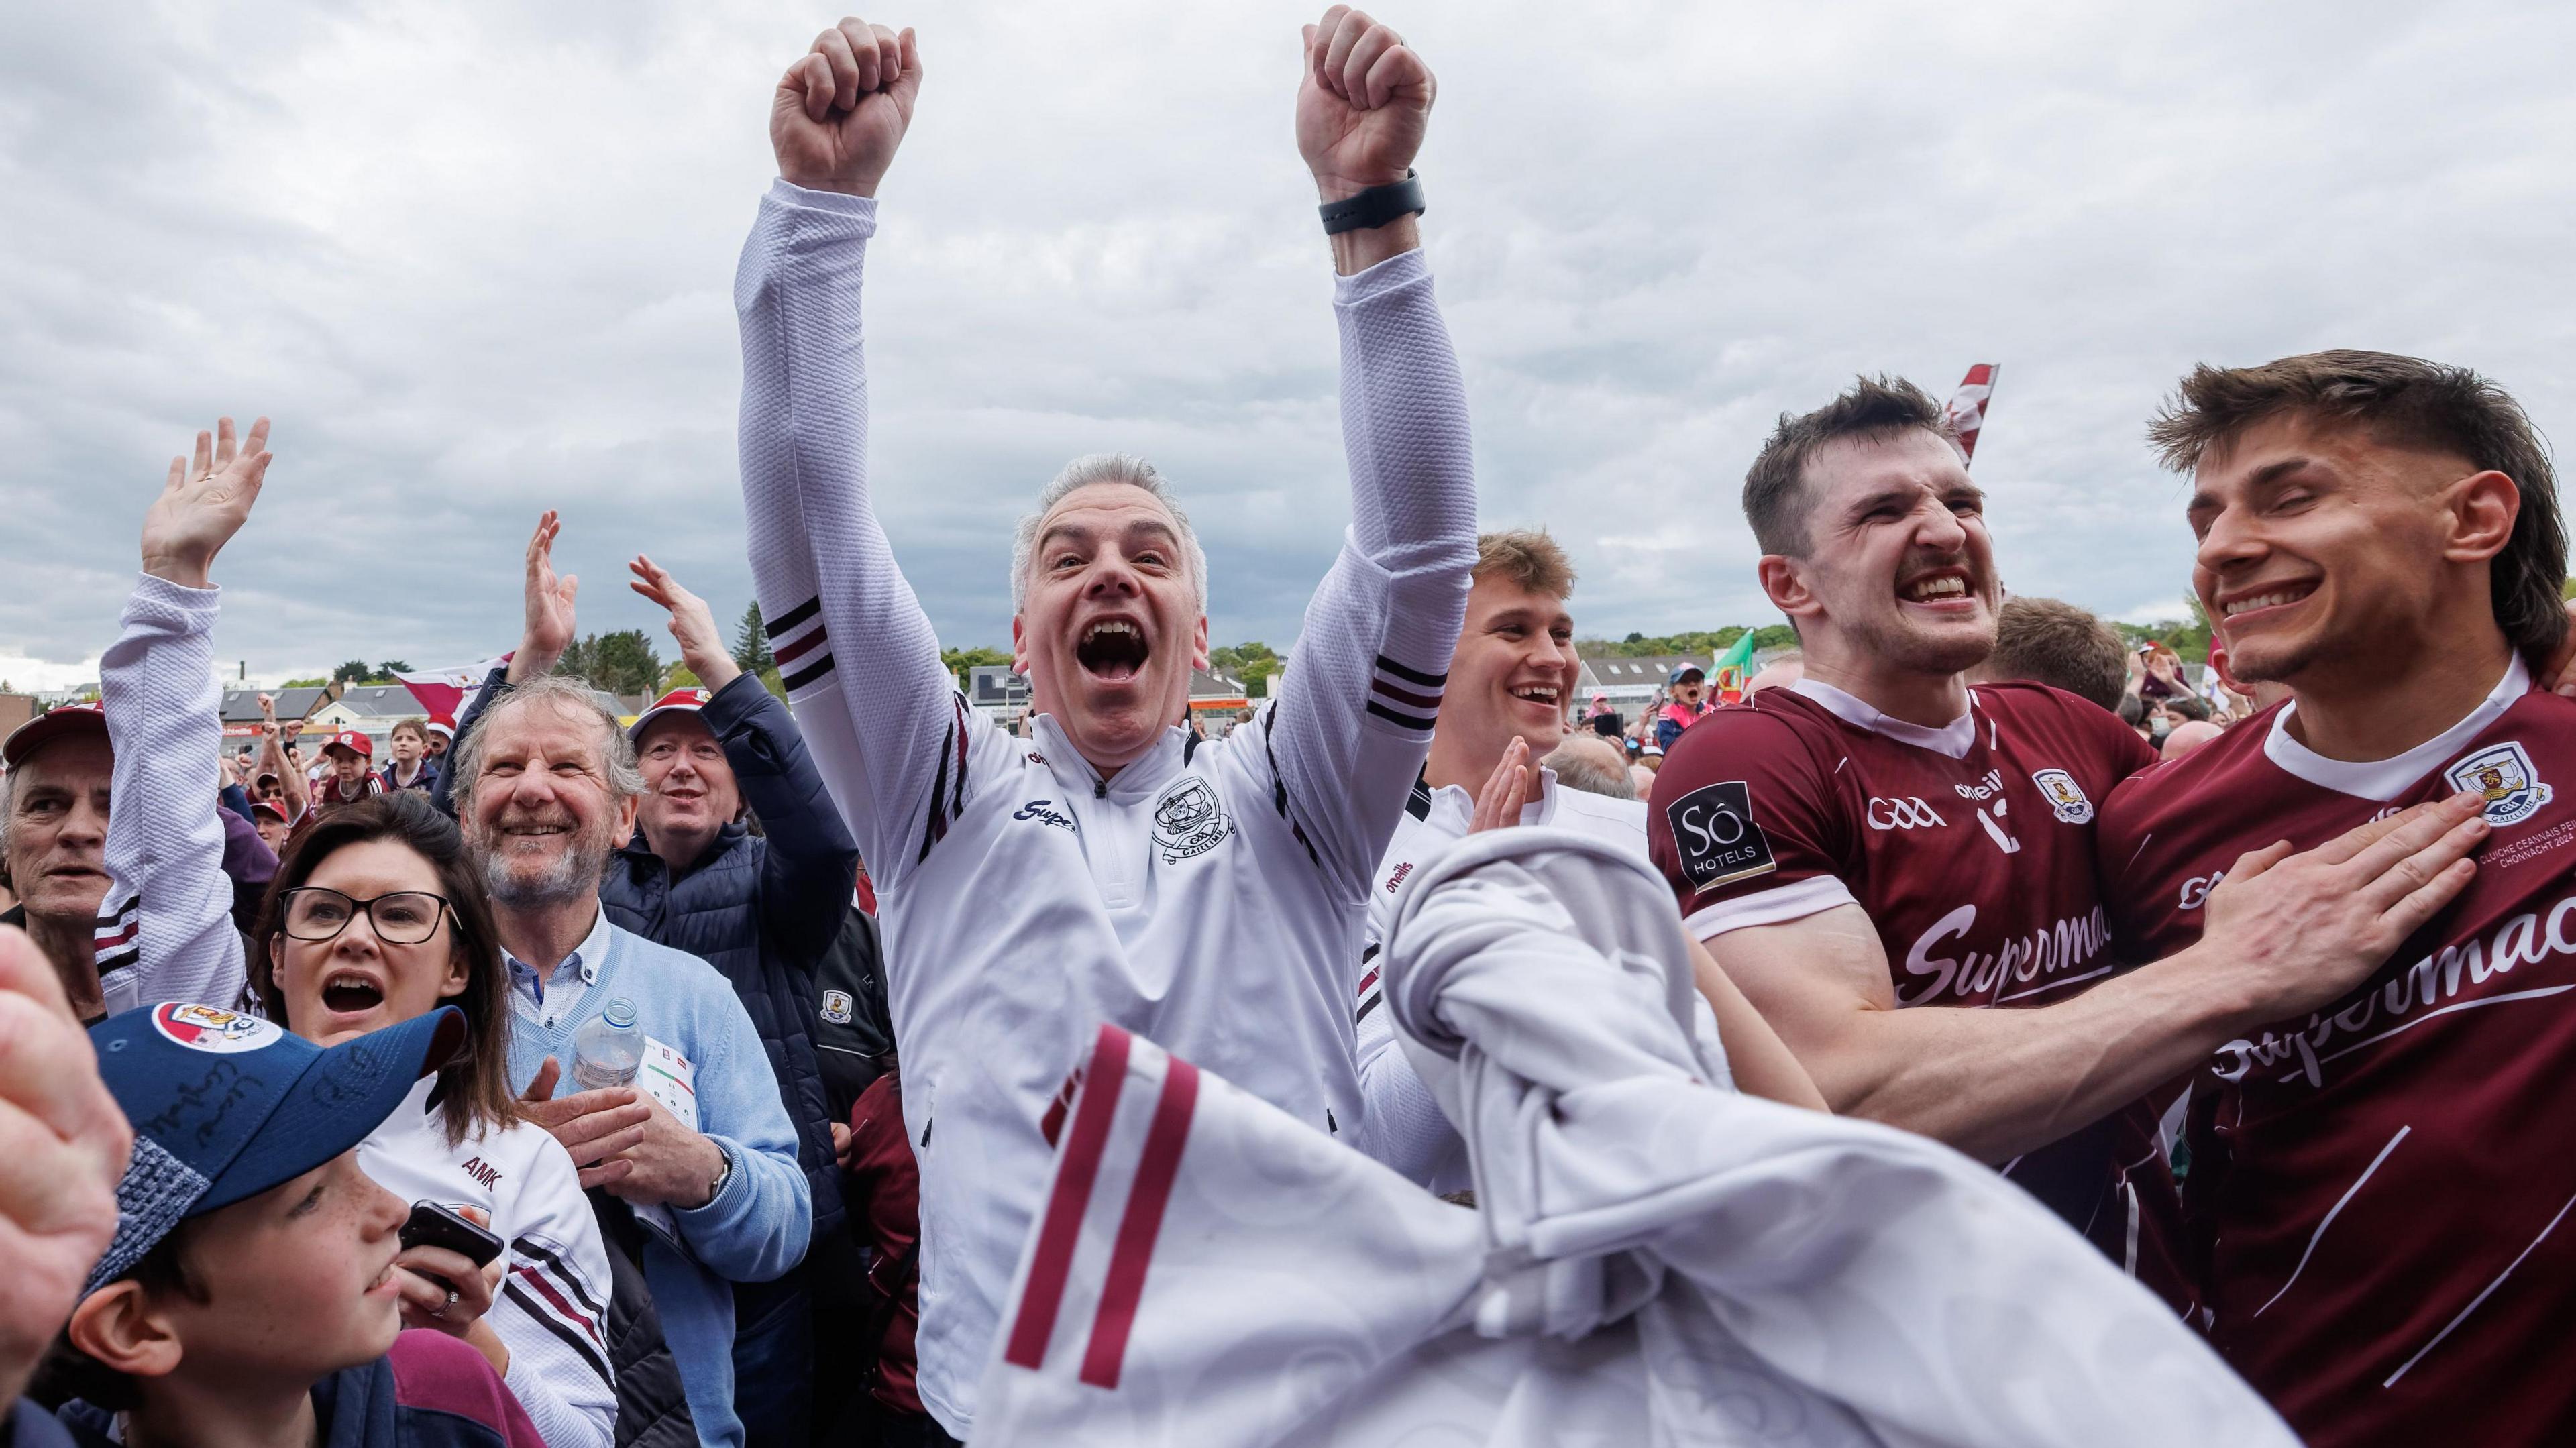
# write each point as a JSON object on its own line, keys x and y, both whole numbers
{"x": 572, "y": 875}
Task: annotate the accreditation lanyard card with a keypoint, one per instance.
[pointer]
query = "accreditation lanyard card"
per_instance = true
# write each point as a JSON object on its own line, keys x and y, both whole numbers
{"x": 667, "y": 1077}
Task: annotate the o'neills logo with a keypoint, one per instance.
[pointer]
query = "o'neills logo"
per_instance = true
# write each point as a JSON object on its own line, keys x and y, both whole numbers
{"x": 2392, "y": 1006}
{"x": 2035, "y": 962}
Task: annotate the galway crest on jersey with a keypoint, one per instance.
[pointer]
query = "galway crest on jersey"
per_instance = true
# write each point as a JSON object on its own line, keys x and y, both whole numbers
{"x": 2502, "y": 773}
{"x": 2065, "y": 796}
{"x": 1188, "y": 821}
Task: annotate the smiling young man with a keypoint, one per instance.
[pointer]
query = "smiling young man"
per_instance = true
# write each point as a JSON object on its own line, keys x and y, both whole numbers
{"x": 1879, "y": 854}
{"x": 1504, "y": 709}
{"x": 1207, "y": 895}
{"x": 2380, "y": 1182}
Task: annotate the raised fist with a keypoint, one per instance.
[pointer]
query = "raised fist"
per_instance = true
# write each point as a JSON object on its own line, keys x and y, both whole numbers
{"x": 1363, "y": 105}
{"x": 841, "y": 109}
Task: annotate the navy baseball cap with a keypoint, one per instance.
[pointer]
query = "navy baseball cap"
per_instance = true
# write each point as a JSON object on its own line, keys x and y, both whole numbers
{"x": 227, "y": 1105}
{"x": 1683, "y": 671}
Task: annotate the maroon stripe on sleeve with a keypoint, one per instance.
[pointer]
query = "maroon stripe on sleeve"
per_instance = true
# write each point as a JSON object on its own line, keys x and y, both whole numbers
{"x": 789, "y": 653}
{"x": 1155, "y": 1170}
{"x": 1052, "y": 1262}
{"x": 1418, "y": 701}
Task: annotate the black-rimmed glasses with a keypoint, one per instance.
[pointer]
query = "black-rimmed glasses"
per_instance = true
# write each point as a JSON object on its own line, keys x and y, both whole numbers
{"x": 405, "y": 917}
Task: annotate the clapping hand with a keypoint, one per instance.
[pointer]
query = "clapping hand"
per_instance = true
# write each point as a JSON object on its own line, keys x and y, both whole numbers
{"x": 1506, "y": 791}
{"x": 693, "y": 624}
{"x": 548, "y": 600}
{"x": 204, "y": 503}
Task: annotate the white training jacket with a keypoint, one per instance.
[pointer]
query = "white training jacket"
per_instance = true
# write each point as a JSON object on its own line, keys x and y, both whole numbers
{"x": 551, "y": 1310}
{"x": 1404, "y": 1127}
{"x": 165, "y": 850}
{"x": 1653, "y": 1259}
{"x": 1211, "y": 894}
{"x": 166, "y": 929}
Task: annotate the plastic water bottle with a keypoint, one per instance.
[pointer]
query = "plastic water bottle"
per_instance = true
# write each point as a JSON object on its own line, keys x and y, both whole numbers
{"x": 606, "y": 1051}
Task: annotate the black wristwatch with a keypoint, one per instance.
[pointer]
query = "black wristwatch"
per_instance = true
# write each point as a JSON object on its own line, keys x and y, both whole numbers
{"x": 1376, "y": 206}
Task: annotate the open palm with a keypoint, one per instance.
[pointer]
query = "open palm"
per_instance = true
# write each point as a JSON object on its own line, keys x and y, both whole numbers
{"x": 1363, "y": 105}
{"x": 204, "y": 503}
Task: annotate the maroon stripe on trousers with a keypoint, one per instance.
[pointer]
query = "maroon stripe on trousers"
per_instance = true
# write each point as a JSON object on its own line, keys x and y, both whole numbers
{"x": 1053, "y": 1261}
{"x": 1418, "y": 701}
{"x": 1155, "y": 1171}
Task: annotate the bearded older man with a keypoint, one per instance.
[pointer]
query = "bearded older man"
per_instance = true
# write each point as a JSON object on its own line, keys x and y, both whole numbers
{"x": 1207, "y": 894}
{"x": 547, "y": 789}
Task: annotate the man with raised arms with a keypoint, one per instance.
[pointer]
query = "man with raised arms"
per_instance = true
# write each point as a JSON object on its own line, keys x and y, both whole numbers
{"x": 1207, "y": 895}
{"x": 2380, "y": 1175}
{"x": 1881, "y": 836}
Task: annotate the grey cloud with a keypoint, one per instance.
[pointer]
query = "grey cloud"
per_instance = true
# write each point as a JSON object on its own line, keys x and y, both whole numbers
{"x": 476, "y": 260}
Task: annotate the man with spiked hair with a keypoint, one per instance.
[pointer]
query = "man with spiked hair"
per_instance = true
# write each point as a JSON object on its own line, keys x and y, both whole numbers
{"x": 1897, "y": 867}
{"x": 1111, "y": 868}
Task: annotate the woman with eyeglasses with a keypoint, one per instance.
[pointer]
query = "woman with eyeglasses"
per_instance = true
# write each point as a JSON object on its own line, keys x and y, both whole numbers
{"x": 375, "y": 917}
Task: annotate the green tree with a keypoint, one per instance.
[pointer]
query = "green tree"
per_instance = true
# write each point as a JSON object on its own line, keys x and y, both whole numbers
{"x": 958, "y": 661}
{"x": 390, "y": 668}
{"x": 624, "y": 662}
{"x": 304, "y": 683}
{"x": 1254, "y": 662}
{"x": 751, "y": 641}
{"x": 679, "y": 676}
{"x": 353, "y": 672}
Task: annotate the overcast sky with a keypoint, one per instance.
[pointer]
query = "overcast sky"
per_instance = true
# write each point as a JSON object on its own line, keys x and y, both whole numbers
{"x": 475, "y": 260}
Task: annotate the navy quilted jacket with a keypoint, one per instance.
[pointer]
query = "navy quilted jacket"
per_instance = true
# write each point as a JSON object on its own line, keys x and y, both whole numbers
{"x": 761, "y": 910}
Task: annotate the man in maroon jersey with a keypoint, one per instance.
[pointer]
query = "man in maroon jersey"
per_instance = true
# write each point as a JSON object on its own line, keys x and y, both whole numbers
{"x": 1880, "y": 836}
{"x": 2378, "y": 1185}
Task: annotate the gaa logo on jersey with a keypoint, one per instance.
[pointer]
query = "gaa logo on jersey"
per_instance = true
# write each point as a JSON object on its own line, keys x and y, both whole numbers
{"x": 2064, "y": 795}
{"x": 836, "y": 1007}
{"x": 1188, "y": 822}
{"x": 2502, "y": 773}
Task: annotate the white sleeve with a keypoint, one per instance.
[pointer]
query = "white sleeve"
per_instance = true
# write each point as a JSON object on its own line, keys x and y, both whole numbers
{"x": 165, "y": 844}
{"x": 553, "y": 1305}
{"x": 855, "y": 651}
{"x": 1354, "y": 717}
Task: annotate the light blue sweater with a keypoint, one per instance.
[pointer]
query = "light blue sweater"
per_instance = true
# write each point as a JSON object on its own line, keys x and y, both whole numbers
{"x": 756, "y": 1228}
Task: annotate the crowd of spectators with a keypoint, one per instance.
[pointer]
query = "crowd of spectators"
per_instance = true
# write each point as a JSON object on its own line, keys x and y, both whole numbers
{"x": 567, "y": 1080}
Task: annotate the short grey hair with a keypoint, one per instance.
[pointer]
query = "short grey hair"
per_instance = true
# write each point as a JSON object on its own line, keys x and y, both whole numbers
{"x": 1082, "y": 472}
{"x": 567, "y": 692}
{"x": 1593, "y": 765}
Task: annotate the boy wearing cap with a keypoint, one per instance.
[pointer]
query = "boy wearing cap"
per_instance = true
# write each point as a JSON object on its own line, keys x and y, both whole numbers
{"x": 347, "y": 778}
{"x": 250, "y": 1293}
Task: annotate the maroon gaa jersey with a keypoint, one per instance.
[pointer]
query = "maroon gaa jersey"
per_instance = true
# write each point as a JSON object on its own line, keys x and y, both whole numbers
{"x": 1971, "y": 850}
{"x": 2376, "y": 1191}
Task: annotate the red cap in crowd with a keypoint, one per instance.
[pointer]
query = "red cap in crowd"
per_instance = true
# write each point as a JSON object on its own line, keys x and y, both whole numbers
{"x": 441, "y": 724}
{"x": 272, "y": 808}
{"x": 353, "y": 741}
{"x": 89, "y": 716}
{"x": 691, "y": 700}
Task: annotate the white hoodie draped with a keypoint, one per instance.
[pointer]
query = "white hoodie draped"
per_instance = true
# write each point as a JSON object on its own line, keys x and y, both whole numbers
{"x": 1655, "y": 1259}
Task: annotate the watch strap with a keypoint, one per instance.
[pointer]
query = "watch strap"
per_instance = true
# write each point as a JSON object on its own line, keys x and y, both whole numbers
{"x": 1376, "y": 206}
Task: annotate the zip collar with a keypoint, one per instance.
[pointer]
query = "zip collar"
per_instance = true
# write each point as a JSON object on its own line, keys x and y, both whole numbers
{"x": 1138, "y": 781}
